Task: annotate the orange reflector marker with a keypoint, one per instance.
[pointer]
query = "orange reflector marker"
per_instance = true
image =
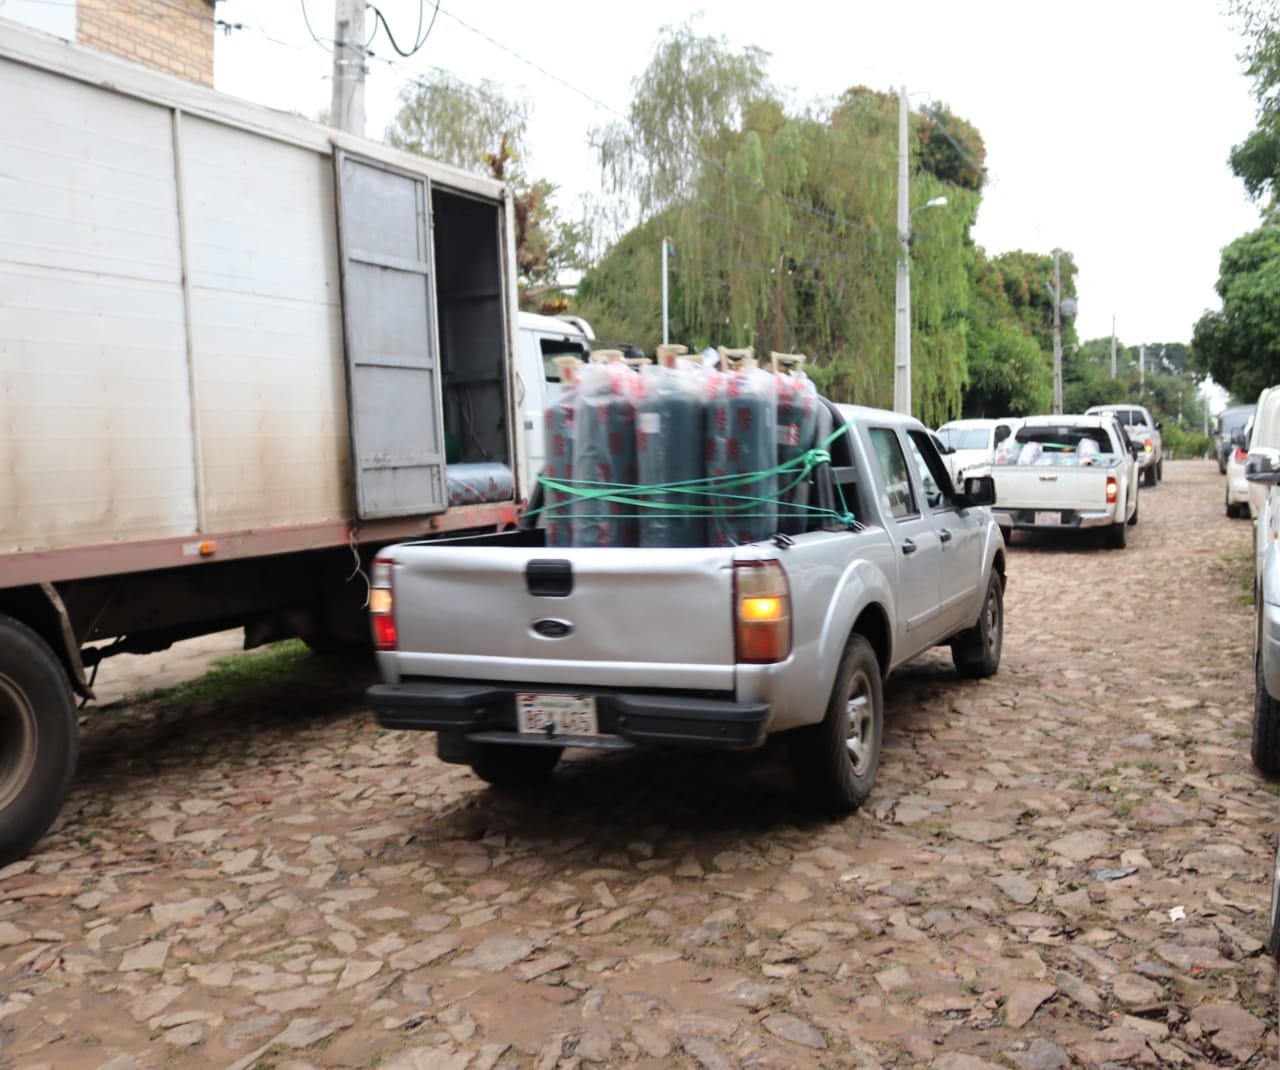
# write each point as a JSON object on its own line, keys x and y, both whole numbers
{"x": 761, "y": 608}
{"x": 208, "y": 547}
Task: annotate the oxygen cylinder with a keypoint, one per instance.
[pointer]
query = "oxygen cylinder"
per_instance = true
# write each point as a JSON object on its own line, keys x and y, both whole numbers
{"x": 741, "y": 439}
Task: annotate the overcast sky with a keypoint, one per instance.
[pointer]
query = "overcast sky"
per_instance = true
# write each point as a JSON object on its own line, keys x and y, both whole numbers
{"x": 1107, "y": 124}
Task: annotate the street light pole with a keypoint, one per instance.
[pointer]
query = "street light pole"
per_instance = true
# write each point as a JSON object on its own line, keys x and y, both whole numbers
{"x": 346, "y": 110}
{"x": 1057, "y": 332}
{"x": 902, "y": 310}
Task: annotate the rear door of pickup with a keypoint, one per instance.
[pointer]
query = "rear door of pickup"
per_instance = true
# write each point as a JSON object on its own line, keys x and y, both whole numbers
{"x": 916, "y": 540}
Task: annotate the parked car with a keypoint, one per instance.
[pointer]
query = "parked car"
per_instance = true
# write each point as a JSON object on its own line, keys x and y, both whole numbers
{"x": 972, "y": 442}
{"x": 1143, "y": 429}
{"x": 1265, "y": 434}
{"x": 1262, "y": 470}
{"x": 1237, "y": 492}
{"x": 1229, "y": 425}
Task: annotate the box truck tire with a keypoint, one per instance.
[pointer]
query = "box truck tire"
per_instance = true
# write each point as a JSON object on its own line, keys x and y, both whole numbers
{"x": 39, "y": 738}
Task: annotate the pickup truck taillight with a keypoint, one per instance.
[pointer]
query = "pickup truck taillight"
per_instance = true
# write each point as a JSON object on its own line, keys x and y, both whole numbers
{"x": 762, "y": 612}
{"x": 1148, "y": 445}
{"x": 1242, "y": 455}
{"x": 382, "y": 605}
{"x": 1113, "y": 489}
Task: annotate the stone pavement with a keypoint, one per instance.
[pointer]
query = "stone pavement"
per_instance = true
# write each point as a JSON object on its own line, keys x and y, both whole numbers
{"x": 1065, "y": 865}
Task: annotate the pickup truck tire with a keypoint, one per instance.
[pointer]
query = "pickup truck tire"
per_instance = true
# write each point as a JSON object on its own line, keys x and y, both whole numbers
{"x": 1265, "y": 750}
{"x": 834, "y": 763}
{"x": 1149, "y": 476}
{"x": 976, "y": 651}
{"x": 1137, "y": 500}
{"x": 39, "y": 738}
{"x": 1117, "y": 535}
{"x": 1160, "y": 470}
{"x": 514, "y": 765}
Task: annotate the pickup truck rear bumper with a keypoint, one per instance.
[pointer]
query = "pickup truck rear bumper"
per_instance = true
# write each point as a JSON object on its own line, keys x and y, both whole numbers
{"x": 488, "y": 711}
{"x": 1067, "y": 519}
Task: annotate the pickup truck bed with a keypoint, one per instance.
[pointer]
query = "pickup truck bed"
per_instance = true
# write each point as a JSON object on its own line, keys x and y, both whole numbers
{"x": 512, "y": 650}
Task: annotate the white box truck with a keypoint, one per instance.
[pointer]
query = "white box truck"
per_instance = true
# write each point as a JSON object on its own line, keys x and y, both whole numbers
{"x": 239, "y": 352}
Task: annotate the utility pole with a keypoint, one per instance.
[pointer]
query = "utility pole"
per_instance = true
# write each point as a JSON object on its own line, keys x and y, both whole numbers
{"x": 777, "y": 317}
{"x": 666, "y": 242}
{"x": 1142, "y": 368}
{"x": 902, "y": 321}
{"x": 1057, "y": 331}
{"x": 1113, "y": 347}
{"x": 346, "y": 111}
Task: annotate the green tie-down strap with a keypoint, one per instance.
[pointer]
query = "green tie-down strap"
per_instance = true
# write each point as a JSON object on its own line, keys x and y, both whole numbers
{"x": 719, "y": 492}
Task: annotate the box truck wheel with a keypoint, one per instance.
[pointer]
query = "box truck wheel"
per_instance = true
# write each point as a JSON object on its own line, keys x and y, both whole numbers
{"x": 39, "y": 738}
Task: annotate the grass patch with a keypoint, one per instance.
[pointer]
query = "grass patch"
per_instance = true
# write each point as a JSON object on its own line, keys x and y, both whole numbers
{"x": 287, "y": 661}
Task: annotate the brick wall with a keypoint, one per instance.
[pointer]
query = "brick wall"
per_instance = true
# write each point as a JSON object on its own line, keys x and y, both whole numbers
{"x": 175, "y": 36}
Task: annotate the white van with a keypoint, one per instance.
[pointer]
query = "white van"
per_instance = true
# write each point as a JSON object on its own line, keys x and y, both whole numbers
{"x": 542, "y": 339}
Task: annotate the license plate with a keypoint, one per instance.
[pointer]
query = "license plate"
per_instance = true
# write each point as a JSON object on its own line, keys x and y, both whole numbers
{"x": 1049, "y": 520}
{"x": 557, "y": 715}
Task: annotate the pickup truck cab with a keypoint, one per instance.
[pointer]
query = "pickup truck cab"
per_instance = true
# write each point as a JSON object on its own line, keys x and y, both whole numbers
{"x": 512, "y": 651}
{"x": 1143, "y": 430}
{"x": 1067, "y": 472}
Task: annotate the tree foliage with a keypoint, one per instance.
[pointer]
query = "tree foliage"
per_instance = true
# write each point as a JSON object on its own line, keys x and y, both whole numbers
{"x": 1240, "y": 344}
{"x": 783, "y": 225}
{"x": 481, "y": 129}
{"x": 1256, "y": 160}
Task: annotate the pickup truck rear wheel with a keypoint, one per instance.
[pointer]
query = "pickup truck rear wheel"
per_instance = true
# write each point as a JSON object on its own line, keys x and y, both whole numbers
{"x": 514, "y": 765}
{"x": 1266, "y": 725}
{"x": 1149, "y": 477}
{"x": 39, "y": 738}
{"x": 1273, "y": 924}
{"x": 834, "y": 763}
{"x": 976, "y": 651}
{"x": 1118, "y": 535}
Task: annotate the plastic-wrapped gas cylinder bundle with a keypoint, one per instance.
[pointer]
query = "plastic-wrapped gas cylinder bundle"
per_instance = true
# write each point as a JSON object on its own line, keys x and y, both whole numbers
{"x": 604, "y": 453}
{"x": 797, "y": 426}
{"x": 742, "y": 439}
{"x": 669, "y": 450}
{"x": 558, "y": 424}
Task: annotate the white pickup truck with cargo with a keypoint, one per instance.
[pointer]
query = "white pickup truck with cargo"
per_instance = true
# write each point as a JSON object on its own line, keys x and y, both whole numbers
{"x": 512, "y": 650}
{"x": 239, "y": 352}
{"x": 1067, "y": 473}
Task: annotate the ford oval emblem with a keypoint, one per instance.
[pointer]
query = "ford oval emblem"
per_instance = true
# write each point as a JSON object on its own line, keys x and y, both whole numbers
{"x": 550, "y": 628}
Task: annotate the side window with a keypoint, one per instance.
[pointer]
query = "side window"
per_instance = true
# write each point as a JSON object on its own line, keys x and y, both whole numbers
{"x": 558, "y": 347}
{"x": 899, "y": 499}
{"x": 929, "y": 466}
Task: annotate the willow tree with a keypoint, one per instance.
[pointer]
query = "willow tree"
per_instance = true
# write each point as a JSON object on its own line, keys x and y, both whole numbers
{"x": 783, "y": 225}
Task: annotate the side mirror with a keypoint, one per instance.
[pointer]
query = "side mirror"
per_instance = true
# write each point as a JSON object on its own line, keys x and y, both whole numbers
{"x": 1159, "y": 425}
{"x": 980, "y": 490}
{"x": 1262, "y": 465}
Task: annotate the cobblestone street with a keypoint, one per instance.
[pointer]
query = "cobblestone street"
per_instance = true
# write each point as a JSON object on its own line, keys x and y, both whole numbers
{"x": 1067, "y": 864}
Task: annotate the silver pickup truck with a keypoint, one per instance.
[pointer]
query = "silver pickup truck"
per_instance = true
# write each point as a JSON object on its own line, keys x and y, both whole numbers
{"x": 512, "y": 651}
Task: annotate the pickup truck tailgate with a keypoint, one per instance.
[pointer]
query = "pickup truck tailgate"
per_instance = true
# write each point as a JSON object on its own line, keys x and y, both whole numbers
{"x": 1080, "y": 489}
{"x": 597, "y": 617}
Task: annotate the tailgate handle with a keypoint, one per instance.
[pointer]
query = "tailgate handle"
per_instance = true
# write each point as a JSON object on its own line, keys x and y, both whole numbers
{"x": 549, "y": 578}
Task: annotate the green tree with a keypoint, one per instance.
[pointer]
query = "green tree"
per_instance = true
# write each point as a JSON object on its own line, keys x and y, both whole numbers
{"x": 1256, "y": 160}
{"x": 784, "y": 225}
{"x": 1239, "y": 345}
{"x": 481, "y": 129}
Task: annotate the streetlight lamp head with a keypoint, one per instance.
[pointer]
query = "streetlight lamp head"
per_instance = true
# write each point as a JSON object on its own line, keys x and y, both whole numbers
{"x": 937, "y": 202}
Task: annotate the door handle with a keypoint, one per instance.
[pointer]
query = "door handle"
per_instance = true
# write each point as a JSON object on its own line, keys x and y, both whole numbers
{"x": 908, "y": 546}
{"x": 944, "y": 535}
